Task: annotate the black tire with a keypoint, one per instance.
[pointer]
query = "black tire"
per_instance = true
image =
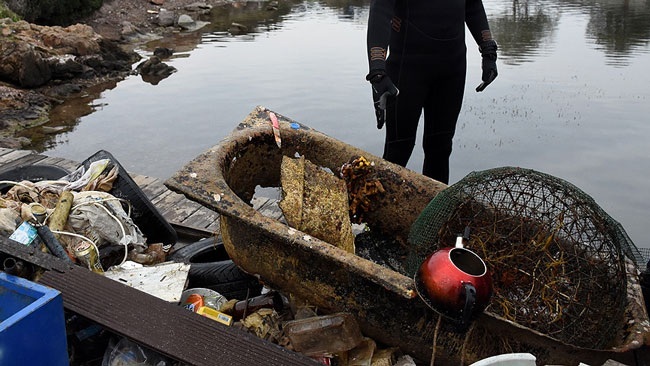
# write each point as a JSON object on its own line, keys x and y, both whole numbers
{"x": 33, "y": 173}
{"x": 210, "y": 267}
{"x": 203, "y": 251}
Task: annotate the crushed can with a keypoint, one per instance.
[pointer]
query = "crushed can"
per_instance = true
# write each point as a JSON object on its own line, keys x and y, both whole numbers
{"x": 87, "y": 254}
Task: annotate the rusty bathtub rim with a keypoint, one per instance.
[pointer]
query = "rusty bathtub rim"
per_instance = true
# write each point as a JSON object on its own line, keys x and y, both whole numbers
{"x": 225, "y": 201}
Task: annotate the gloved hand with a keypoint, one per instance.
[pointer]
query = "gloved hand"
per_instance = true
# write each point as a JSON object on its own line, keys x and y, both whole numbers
{"x": 488, "y": 64}
{"x": 382, "y": 88}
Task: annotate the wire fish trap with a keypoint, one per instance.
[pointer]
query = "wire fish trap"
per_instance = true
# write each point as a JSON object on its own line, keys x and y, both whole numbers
{"x": 558, "y": 261}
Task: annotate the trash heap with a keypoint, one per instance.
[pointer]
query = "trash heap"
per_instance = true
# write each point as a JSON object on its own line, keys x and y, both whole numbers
{"x": 76, "y": 219}
{"x": 559, "y": 263}
{"x": 331, "y": 339}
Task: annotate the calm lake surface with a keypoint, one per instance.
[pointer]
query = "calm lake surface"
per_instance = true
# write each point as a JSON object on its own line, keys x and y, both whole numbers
{"x": 571, "y": 100}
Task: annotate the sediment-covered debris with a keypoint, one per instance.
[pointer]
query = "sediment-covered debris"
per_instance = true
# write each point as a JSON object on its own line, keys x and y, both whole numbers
{"x": 315, "y": 202}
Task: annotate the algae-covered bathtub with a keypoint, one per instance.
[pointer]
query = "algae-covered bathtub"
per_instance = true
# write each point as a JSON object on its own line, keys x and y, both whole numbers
{"x": 385, "y": 303}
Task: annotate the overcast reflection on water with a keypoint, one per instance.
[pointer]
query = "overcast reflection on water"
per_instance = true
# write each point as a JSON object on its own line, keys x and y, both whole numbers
{"x": 571, "y": 98}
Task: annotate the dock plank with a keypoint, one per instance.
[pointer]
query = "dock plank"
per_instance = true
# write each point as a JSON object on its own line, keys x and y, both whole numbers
{"x": 21, "y": 158}
{"x": 203, "y": 218}
{"x": 173, "y": 210}
{"x": 152, "y": 187}
{"x": 4, "y": 150}
{"x": 11, "y": 156}
{"x": 268, "y": 207}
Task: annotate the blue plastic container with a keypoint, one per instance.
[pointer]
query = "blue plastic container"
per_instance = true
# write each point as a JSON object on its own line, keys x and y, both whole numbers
{"x": 32, "y": 324}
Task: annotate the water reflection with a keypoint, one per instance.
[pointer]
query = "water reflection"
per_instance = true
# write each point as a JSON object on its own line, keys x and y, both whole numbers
{"x": 620, "y": 28}
{"x": 235, "y": 20}
{"x": 524, "y": 30}
{"x": 65, "y": 117}
{"x": 568, "y": 70}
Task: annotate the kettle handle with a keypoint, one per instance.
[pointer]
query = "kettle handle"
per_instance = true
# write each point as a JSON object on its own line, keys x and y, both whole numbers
{"x": 462, "y": 238}
{"x": 470, "y": 300}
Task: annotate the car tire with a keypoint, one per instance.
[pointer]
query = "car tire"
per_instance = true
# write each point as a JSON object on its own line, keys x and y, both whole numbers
{"x": 212, "y": 268}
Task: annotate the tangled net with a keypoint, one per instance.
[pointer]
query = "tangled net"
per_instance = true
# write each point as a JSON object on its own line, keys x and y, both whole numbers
{"x": 557, "y": 259}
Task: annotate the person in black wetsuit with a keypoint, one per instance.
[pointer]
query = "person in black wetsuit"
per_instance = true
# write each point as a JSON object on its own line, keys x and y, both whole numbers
{"x": 425, "y": 70}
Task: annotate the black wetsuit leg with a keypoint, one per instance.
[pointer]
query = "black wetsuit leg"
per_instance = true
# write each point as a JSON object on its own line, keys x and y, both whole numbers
{"x": 434, "y": 83}
{"x": 441, "y": 110}
{"x": 403, "y": 112}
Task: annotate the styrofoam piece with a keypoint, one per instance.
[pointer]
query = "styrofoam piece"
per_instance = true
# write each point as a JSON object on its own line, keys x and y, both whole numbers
{"x": 165, "y": 280}
{"x": 508, "y": 359}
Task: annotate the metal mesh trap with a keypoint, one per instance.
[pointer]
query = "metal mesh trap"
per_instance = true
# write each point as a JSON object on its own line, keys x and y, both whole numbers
{"x": 557, "y": 259}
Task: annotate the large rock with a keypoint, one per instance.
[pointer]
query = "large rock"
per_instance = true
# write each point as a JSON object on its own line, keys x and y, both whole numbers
{"x": 21, "y": 109}
{"x": 32, "y": 55}
{"x": 53, "y": 11}
{"x": 23, "y": 65}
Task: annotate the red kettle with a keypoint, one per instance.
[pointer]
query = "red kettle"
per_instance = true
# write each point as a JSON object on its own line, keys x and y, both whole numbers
{"x": 455, "y": 283}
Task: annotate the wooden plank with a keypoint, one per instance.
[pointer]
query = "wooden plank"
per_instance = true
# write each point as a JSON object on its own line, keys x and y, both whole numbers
{"x": 175, "y": 207}
{"x": 68, "y": 164}
{"x": 52, "y": 161}
{"x": 143, "y": 180}
{"x": 152, "y": 187}
{"x": 21, "y": 159}
{"x": 169, "y": 201}
{"x": 268, "y": 207}
{"x": 203, "y": 218}
{"x": 159, "y": 201}
{"x": 4, "y": 150}
{"x": 13, "y": 155}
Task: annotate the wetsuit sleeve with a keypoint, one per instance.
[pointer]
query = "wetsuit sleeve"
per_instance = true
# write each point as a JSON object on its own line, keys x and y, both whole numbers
{"x": 476, "y": 21}
{"x": 379, "y": 28}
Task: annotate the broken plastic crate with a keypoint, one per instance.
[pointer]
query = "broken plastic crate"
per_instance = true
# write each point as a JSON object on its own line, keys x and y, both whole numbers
{"x": 32, "y": 324}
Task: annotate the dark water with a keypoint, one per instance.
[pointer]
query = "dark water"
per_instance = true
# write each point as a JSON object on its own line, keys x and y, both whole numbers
{"x": 571, "y": 99}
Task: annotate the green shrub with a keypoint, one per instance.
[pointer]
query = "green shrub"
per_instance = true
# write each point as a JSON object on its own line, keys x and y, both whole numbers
{"x": 5, "y": 12}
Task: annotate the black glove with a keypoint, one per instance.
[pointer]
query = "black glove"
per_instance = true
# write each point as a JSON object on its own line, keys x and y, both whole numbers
{"x": 488, "y": 64}
{"x": 382, "y": 88}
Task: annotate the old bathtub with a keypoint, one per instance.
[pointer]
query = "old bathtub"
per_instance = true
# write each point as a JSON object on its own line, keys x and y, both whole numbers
{"x": 384, "y": 302}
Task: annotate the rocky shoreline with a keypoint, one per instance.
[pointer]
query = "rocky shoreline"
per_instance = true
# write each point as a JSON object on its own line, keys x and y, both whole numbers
{"x": 42, "y": 66}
